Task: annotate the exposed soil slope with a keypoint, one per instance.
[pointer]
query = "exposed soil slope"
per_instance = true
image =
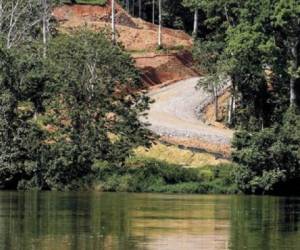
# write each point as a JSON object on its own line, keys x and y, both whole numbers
{"x": 138, "y": 37}
{"x": 134, "y": 33}
{"x": 165, "y": 69}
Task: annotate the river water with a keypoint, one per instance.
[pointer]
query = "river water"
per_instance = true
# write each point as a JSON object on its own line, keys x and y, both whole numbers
{"x": 84, "y": 221}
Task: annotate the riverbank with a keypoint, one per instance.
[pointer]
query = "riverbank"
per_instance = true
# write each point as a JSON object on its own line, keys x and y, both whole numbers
{"x": 151, "y": 175}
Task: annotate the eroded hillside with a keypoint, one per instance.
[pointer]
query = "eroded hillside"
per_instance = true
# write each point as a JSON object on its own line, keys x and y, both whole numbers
{"x": 138, "y": 37}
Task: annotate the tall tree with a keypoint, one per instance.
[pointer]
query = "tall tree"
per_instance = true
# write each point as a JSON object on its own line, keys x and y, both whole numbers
{"x": 159, "y": 23}
{"x": 287, "y": 24}
{"x": 140, "y": 8}
{"x": 113, "y": 24}
{"x": 45, "y": 18}
{"x": 153, "y": 11}
{"x": 207, "y": 56}
{"x": 97, "y": 109}
{"x": 194, "y": 5}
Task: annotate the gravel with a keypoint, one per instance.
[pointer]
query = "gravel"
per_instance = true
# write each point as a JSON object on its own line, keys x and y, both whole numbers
{"x": 174, "y": 113}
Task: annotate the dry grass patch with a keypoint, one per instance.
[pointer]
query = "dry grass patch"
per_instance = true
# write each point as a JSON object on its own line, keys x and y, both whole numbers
{"x": 175, "y": 155}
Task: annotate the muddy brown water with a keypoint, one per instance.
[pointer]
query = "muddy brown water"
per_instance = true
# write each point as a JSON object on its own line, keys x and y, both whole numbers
{"x": 84, "y": 221}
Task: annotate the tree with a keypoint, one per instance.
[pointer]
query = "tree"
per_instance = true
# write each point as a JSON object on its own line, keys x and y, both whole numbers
{"x": 84, "y": 117}
{"x": 140, "y": 8}
{"x": 153, "y": 11}
{"x": 19, "y": 20}
{"x": 113, "y": 24}
{"x": 270, "y": 159}
{"x": 45, "y": 17}
{"x": 24, "y": 76}
{"x": 128, "y": 6}
{"x": 159, "y": 24}
{"x": 195, "y": 5}
{"x": 219, "y": 17}
{"x": 207, "y": 55}
{"x": 287, "y": 25}
{"x": 259, "y": 54}
{"x": 96, "y": 109}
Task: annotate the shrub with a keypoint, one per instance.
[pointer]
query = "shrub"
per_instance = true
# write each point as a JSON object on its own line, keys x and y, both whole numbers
{"x": 270, "y": 159}
{"x": 150, "y": 175}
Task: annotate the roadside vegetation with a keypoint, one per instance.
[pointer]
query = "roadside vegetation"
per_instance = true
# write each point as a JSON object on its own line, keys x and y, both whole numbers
{"x": 258, "y": 52}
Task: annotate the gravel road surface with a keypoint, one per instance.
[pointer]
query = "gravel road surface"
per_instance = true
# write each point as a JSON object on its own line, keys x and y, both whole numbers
{"x": 173, "y": 113}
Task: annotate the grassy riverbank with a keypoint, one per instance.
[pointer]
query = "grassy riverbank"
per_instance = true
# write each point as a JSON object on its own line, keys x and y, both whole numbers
{"x": 151, "y": 175}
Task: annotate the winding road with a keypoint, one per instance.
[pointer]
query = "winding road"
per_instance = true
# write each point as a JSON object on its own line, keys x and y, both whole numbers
{"x": 173, "y": 114}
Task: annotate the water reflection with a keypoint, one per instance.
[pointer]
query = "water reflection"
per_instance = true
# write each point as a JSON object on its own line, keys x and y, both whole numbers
{"x": 71, "y": 221}
{"x": 265, "y": 223}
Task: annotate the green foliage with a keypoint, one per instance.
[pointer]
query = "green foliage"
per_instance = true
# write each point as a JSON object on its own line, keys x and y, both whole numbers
{"x": 86, "y": 91}
{"x": 150, "y": 175}
{"x": 92, "y": 105}
{"x": 269, "y": 159}
{"x": 256, "y": 44}
{"x": 23, "y": 80}
{"x": 207, "y": 55}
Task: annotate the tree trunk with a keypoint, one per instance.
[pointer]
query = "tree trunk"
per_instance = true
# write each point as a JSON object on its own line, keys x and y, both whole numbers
{"x": 216, "y": 103}
{"x": 159, "y": 24}
{"x": 113, "y": 24}
{"x": 153, "y": 11}
{"x": 293, "y": 80}
{"x": 292, "y": 92}
{"x": 133, "y": 5}
{"x": 1, "y": 13}
{"x": 128, "y": 6}
{"x": 45, "y": 27}
{"x": 231, "y": 106}
{"x": 195, "y": 30}
{"x": 140, "y": 8}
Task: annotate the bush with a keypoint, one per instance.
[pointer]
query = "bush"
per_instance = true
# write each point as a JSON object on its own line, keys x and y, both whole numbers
{"x": 270, "y": 159}
{"x": 150, "y": 175}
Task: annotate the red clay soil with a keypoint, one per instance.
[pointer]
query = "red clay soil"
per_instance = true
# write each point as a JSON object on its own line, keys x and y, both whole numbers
{"x": 136, "y": 35}
{"x": 165, "y": 69}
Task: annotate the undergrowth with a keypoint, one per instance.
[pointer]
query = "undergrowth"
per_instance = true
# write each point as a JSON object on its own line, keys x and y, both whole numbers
{"x": 150, "y": 175}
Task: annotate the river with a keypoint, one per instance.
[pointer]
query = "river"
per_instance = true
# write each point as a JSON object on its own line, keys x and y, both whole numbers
{"x": 92, "y": 221}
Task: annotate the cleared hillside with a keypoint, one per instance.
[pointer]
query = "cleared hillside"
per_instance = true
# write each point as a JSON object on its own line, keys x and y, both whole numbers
{"x": 134, "y": 33}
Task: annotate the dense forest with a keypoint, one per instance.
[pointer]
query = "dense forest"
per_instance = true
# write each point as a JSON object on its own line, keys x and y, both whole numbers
{"x": 71, "y": 103}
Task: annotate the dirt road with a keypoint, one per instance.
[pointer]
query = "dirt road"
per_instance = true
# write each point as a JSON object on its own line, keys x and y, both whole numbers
{"x": 173, "y": 114}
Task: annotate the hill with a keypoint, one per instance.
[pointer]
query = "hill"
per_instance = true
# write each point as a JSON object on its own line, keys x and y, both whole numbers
{"x": 138, "y": 37}
{"x": 134, "y": 33}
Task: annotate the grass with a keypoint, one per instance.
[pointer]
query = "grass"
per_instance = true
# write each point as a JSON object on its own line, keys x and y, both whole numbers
{"x": 151, "y": 175}
{"x": 168, "y": 169}
{"x": 175, "y": 155}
